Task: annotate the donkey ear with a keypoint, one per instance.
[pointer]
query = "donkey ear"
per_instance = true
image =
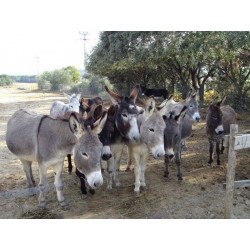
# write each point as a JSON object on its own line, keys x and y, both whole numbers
{"x": 181, "y": 116}
{"x": 75, "y": 126}
{"x": 111, "y": 112}
{"x": 97, "y": 112}
{"x": 78, "y": 96}
{"x": 196, "y": 94}
{"x": 222, "y": 101}
{"x": 150, "y": 107}
{"x": 165, "y": 105}
{"x": 113, "y": 96}
{"x": 99, "y": 124}
{"x": 67, "y": 96}
{"x": 134, "y": 93}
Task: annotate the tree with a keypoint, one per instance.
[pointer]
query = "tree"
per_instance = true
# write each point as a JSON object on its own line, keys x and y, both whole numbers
{"x": 74, "y": 73}
{"x": 5, "y": 80}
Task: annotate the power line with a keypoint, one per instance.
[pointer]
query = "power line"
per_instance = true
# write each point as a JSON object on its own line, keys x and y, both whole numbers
{"x": 84, "y": 39}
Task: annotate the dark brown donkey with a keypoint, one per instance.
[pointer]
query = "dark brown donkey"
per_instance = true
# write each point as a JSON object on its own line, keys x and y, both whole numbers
{"x": 219, "y": 118}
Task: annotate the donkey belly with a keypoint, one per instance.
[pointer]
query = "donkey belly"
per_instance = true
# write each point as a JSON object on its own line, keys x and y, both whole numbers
{"x": 21, "y": 134}
{"x": 186, "y": 128}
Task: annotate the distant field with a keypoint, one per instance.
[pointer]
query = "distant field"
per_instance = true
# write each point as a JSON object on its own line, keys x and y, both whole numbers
{"x": 26, "y": 86}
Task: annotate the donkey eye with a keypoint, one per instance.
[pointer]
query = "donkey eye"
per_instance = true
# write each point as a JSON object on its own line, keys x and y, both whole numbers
{"x": 190, "y": 106}
{"x": 85, "y": 155}
{"x": 124, "y": 115}
{"x": 152, "y": 130}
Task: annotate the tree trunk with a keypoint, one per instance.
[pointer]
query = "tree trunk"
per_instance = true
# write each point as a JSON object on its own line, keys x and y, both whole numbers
{"x": 201, "y": 93}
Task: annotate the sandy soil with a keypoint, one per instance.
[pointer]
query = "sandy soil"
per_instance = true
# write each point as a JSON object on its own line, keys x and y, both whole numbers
{"x": 200, "y": 195}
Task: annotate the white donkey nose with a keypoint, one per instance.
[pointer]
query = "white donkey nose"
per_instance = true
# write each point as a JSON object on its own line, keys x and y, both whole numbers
{"x": 158, "y": 151}
{"x": 95, "y": 179}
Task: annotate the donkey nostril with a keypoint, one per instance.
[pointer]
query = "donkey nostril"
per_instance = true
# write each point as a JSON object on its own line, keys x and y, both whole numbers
{"x": 220, "y": 132}
{"x": 171, "y": 156}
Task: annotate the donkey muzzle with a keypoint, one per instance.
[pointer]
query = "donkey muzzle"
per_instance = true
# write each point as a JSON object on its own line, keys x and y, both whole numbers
{"x": 106, "y": 153}
{"x": 95, "y": 179}
{"x": 158, "y": 151}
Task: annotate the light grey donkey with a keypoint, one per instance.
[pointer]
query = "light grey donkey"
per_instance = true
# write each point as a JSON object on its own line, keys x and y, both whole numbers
{"x": 32, "y": 137}
{"x": 152, "y": 127}
{"x": 59, "y": 108}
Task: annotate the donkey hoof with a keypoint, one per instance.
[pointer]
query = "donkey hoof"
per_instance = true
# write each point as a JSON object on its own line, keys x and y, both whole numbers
{"x": 109, "y": 188}
{"x": 118, "y": 184}
{"x": 84, "y": 196}
{"x": 92, "y": 191}
{"x": 143, "y": 188}
{"x": 64, "y": 203}
{"x": 41, "y": 204}
{"x": 137, "y": 193}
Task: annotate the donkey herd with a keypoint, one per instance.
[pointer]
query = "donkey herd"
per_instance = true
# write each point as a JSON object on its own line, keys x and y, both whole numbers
{"x": 92, "y": 132}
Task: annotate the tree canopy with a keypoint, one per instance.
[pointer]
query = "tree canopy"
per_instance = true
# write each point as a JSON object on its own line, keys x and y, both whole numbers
{"x": 175, "y": 60}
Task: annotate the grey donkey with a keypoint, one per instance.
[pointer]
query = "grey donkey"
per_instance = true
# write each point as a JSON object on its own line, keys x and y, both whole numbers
{"x": 152, "y": 127}
{"x": 192, "y": 113}
{"x": 218, "y": 120}
{"x": 59, "y": 108}
{"x": 173, "y": 139}
{"x": 32, "y": 137}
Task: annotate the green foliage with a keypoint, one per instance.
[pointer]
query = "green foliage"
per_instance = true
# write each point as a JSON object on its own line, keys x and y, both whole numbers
{"x": 59, "y": 79}
{"x": 24, "y": 78}
{"x": 91, "y": 85}
{"x": 5, "y": 80}
{"x": 176, "y": 61}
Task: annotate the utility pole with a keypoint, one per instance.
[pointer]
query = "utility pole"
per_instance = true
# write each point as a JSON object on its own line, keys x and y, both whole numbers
{"x": 84, "y": 38}
{"x": 37, "y": 65}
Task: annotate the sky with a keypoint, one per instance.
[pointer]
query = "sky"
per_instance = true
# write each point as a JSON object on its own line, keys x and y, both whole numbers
{"x": 56, "y": 49}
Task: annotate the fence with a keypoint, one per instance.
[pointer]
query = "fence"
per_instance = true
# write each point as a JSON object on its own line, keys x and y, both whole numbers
{"x": 233, "y": 142}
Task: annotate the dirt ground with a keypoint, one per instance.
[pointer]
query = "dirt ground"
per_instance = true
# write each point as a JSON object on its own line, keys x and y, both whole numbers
{"x": 200, "y": 195}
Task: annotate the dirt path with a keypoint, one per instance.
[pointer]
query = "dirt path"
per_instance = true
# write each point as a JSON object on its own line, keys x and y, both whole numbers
{"x": 199, "y": 196}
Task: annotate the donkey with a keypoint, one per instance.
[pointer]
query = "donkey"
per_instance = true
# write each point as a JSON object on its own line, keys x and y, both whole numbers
{"x": 152, "y": 127}
{"x": 59, "y": 108}
{"x": 173, "y": 138}
{"x": 125, "y": 130}
{"x": 104, "y": 137}
{"x": 218, "y": 121}
{"x": 86, "y": 104}
{"x": 32, "y": 137}
{"x": 154, "y": 92}
{"x": 192, "y": 113}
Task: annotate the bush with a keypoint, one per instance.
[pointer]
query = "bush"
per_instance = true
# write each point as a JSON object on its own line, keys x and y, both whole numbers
{"x": 5, "y": 80}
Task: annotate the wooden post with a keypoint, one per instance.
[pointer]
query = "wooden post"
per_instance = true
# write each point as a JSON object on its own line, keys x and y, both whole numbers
{"x": 230, "y": 173}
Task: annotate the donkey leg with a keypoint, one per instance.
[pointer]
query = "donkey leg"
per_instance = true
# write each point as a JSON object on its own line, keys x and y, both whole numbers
{"x": 69, "y": 164}
{"x": 211, "y": 150}
{"x": 117, "y": 160}
{"x": 184, "y": 146}
{"x": 166, "y": 172}
{"x": 42, "y": 185}
{"x": 218, "y": 152}
{"x": 129, "y": 162}
{"x": 29, "y": 176}
{"x": 178, "y": 163}
{"x": 143, "y": 168}
{"x": 59, "y": 184}
{"x": 222, "y": 147}
{"x": 82, "y": 180}
{"x": 110, "y": 168}
{"x": 137, "y": 173}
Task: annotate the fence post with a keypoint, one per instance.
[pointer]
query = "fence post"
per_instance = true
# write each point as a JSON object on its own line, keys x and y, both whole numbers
{"x": 230, "y": 173}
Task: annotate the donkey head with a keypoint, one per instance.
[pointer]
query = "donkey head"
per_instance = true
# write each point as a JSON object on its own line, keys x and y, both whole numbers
{"x": 172, "y": 133}
{"x": 126, "y": 114}
{"x": 107, "y": 132}
{"x": 74, "y": 103}
{"x": 192, "y": 106}
{"x": 152, "y": 129}
{"x": 214, "y": 117}
{"x": 87, "y": 151}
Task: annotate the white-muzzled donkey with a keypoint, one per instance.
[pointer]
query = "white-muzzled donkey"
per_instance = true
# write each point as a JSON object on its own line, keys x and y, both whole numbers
{"x": 32, "y": 137}
{"x": 125, "y": 130}
{"x": 152, "y": 127}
